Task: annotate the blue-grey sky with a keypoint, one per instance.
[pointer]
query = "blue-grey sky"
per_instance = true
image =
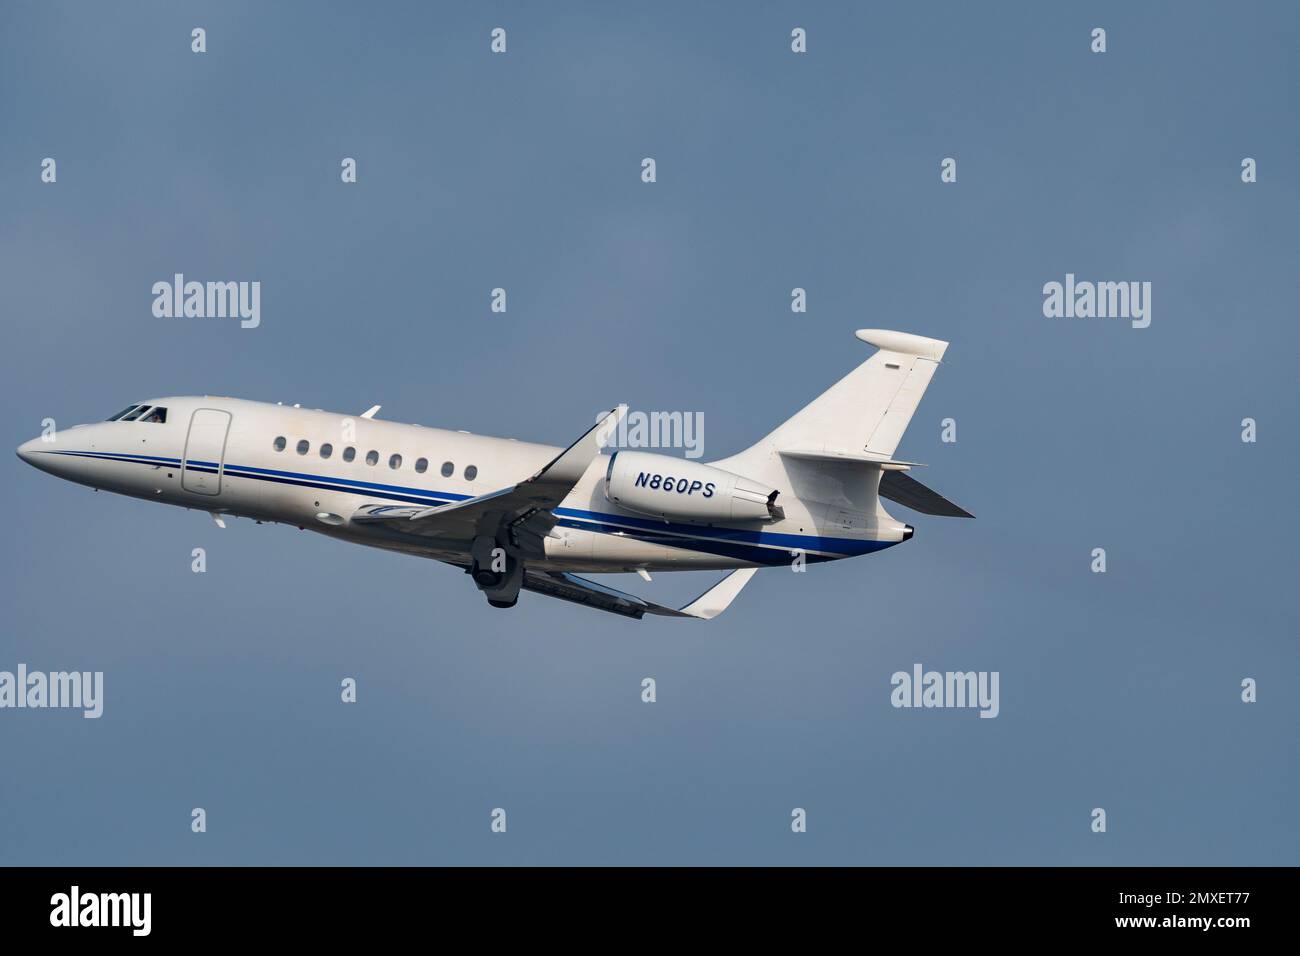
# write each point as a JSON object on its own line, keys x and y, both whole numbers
{"x": 775, "y": 170}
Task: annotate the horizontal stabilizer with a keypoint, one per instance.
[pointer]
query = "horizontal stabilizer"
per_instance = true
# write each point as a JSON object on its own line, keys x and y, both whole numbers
{"x": 910, "y": 493}
{"x": 861, "y": 418}
{"x": 848, "y": 455}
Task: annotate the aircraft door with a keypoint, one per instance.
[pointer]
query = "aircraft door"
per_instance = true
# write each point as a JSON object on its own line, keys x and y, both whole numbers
{"x": 205, "y": 451}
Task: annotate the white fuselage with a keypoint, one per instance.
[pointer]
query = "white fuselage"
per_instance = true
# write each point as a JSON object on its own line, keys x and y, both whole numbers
{"x": 292, "y": 465}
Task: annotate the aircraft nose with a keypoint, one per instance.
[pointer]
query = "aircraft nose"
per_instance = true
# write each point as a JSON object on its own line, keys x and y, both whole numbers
{"x": 27, "y": 450}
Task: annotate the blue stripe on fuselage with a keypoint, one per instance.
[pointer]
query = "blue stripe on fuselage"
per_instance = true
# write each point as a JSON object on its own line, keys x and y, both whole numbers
{"x": 767, "y": 547}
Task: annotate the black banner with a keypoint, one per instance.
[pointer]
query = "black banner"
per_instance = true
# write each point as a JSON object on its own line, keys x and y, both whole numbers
{"x": 767, "y": 905}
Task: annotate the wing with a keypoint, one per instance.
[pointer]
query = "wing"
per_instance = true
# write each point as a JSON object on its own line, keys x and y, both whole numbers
{"x": 570, "y": 587}
{"x": 523, "y": 511}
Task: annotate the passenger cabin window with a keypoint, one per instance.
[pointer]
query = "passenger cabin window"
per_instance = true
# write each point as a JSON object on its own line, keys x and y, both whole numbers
{"x": 303, "y": 446}
{"x": 447, "y": 469}
{"x": 326, "y": 450}
{"x": 122, "y": 413}
{"x": 471, "y": 472}
{"x": 372, "y": 457}
{"x": 349, "y": 453}
{"x": 132, "y": 416}
{"x": 421, "y": 465}
{"x": 395, "y": 462}
{"x": 280, "y": 443}
{"x": 157, "y": 415}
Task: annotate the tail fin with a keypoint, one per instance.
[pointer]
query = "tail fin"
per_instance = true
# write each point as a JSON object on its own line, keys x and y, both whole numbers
{"x": 863, "y": 415}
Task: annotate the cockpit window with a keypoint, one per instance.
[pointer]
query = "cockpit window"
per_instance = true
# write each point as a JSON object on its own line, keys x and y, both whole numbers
{"x": 122, "y": 413}
{"x": 133, "y": 416}
{"x": 157, "y": 414}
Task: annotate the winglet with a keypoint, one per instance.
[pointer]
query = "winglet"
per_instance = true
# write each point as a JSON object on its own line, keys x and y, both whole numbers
{"x": 371, "y": 411}
{"x": 713, "y": 601}
{"x": 571, "y": 464}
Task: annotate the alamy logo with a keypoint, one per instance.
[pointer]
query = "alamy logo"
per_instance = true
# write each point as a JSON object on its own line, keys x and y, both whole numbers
{"x": 103, "y": 909}
{"x": 209, "y": 300}
{"x": 72, "y": 689}
{"x": 922, "y": 688}
{"x": 658, "y": 430}
{"x": 1098, "y": 300}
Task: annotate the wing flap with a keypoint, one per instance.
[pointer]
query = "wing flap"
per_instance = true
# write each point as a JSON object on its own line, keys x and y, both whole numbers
{"x": 570, "y": 587}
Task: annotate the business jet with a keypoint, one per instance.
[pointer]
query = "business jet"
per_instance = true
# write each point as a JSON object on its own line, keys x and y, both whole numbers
{"x": 810, "y": 491}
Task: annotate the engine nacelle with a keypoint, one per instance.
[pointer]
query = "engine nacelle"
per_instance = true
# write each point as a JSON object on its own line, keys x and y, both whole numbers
{"x": 664, "y": 487}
